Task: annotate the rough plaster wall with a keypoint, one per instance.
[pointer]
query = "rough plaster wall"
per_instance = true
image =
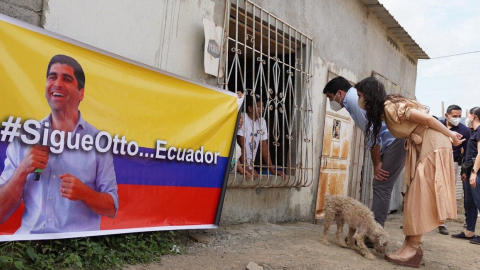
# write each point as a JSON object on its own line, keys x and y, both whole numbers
{"x": 389, "y": 61}
{"x": 167, "y": 34}
{"x": 25, "y": 10}
{"x": 347, "y": 37}
{"x": 266, "y": 205}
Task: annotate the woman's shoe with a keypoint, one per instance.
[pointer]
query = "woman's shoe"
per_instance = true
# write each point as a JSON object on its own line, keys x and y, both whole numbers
{"x": 412, "y": 262}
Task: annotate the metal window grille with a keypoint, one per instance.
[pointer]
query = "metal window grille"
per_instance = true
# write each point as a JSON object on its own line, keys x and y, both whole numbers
{"x": 264, "y": 56}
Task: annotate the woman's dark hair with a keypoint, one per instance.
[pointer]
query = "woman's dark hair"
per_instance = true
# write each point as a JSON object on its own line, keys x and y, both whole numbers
{"x": 475, "y": 111}
{"x": 374, "y": 94}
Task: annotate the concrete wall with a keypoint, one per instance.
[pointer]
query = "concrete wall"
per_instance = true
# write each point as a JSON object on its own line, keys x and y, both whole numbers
{"x": 168, "y": 34}
{"x": 29, "y": 11}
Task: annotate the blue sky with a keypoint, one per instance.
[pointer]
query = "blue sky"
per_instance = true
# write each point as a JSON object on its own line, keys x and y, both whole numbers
{"x": 443, "y": 27}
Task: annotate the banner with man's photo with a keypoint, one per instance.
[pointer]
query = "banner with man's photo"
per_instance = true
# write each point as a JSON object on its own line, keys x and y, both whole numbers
{"x": 93, "y": 144}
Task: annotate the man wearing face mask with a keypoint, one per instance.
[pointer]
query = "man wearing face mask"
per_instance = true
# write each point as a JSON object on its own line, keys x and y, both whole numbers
{"x": 388, "y": 156}
{"x": 452, "y": 122}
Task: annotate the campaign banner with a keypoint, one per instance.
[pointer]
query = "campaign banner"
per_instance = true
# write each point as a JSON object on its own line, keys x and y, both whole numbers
{"x": 92, "y": 143}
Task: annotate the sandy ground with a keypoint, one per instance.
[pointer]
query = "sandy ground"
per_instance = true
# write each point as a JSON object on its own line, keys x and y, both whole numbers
{"x": 297, "y": 246}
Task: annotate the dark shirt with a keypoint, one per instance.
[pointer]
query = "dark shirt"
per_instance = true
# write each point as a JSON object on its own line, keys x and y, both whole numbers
{"x": 465, "y": 131}
{"x": 472, "y": 145}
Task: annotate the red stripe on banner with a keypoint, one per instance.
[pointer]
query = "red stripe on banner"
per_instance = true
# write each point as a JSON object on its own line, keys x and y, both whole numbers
{"x": 155, "y": 206}
{"x": 150, "y": 206}
{"x": 13, "y": 222}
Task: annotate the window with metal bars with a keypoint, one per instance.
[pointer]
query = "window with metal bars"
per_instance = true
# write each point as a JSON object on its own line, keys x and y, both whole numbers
{"x": 265, "y": 57}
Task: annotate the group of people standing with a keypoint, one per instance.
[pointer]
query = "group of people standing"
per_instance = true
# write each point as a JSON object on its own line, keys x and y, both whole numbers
{"x": 470, "y": 167}
{"x": 401, "y": 134}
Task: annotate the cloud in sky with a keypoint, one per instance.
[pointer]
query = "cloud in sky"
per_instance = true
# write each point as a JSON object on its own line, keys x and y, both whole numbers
{"x": 441, "y": 28}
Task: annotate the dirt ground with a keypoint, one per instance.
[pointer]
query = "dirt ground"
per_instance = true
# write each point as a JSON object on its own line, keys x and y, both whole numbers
{"x": 297, "y": 246}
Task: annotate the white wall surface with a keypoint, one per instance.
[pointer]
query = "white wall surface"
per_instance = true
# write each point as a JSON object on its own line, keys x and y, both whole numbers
{"x": 167, "y": 34}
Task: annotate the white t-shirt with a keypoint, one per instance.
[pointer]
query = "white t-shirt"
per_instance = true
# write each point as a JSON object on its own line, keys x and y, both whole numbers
{"x": 252, "y": 132}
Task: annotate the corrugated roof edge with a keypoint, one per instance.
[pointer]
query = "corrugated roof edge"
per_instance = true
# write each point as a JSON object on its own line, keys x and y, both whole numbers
{"x": 395, "y": 28}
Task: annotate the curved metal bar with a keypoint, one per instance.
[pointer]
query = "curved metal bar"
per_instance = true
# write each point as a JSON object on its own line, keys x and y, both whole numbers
{"x": 258, "y": 58}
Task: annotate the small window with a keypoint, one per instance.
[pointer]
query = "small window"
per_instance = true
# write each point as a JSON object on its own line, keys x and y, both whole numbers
{"x": 337, "y": 124}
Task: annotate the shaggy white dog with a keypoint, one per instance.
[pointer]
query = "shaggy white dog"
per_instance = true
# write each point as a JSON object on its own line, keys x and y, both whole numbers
{"x": 360, "y": 221}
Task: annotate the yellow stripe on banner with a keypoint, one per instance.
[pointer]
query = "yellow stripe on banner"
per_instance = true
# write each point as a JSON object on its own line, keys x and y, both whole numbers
{"x": 120, "y": 97}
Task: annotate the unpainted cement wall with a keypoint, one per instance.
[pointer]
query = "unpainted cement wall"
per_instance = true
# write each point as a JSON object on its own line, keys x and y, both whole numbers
{"x": 168, "y": 34}
{"x": 29, "y": 11}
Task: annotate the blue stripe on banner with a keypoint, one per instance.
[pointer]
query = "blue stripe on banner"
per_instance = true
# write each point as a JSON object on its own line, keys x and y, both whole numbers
{"x": 147, "y": 171}
{"x": 3, "y": 154}
{"x": 155, "y": 172}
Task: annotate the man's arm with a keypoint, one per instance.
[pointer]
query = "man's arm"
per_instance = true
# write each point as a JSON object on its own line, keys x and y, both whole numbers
{"x": 242, "y": 159}
{"x": 476, "y": 166}
{"x": 266, "y": 158}
{"x": 11, "y": 195}
{"x": 12, "y": 191}
{"x": 358, "y": 116}
{"x": 241, "y": 143}
{"x": 380, "y": 174}
{"x": 73, "y": 189}
{"x": 357, "y": 113}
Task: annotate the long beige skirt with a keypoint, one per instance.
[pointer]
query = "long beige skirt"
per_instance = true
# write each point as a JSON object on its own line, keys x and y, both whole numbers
{"x": 430, "y": 198}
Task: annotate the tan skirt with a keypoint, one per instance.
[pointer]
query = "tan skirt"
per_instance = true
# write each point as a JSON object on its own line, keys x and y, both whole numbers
{"x": 430, "y": 197}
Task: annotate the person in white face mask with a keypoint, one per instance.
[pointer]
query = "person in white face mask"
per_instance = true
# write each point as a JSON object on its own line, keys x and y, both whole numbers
{"x": 453, "y": 117}
{"x": 452, "y": 122}
{"x": 469, "y": 123}
{"x": 388, "y": 154}
{"x": 471, "y": 183}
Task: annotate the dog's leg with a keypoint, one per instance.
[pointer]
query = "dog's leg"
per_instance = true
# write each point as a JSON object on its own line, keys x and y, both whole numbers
{"x": 360, "y": 237}
{"x": 351, "y": 240}
{"x": 326, "y": 225}
{"x": 339, "y": 233}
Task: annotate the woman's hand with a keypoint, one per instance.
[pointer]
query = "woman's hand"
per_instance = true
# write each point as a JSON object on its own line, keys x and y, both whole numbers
{"x": 456, "y": 138}
{"x": 458, "y": 135}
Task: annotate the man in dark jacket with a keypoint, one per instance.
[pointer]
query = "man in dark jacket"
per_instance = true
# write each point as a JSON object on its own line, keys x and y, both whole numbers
{"x": 452, "y": 122}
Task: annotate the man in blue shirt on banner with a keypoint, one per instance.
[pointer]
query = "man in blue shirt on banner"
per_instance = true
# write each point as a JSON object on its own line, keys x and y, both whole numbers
{"x": 76, "y": 186}
{"x": 388, "y": 156}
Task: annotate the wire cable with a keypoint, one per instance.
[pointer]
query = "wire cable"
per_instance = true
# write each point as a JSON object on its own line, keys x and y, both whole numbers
{"x": 451, "y": 55}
